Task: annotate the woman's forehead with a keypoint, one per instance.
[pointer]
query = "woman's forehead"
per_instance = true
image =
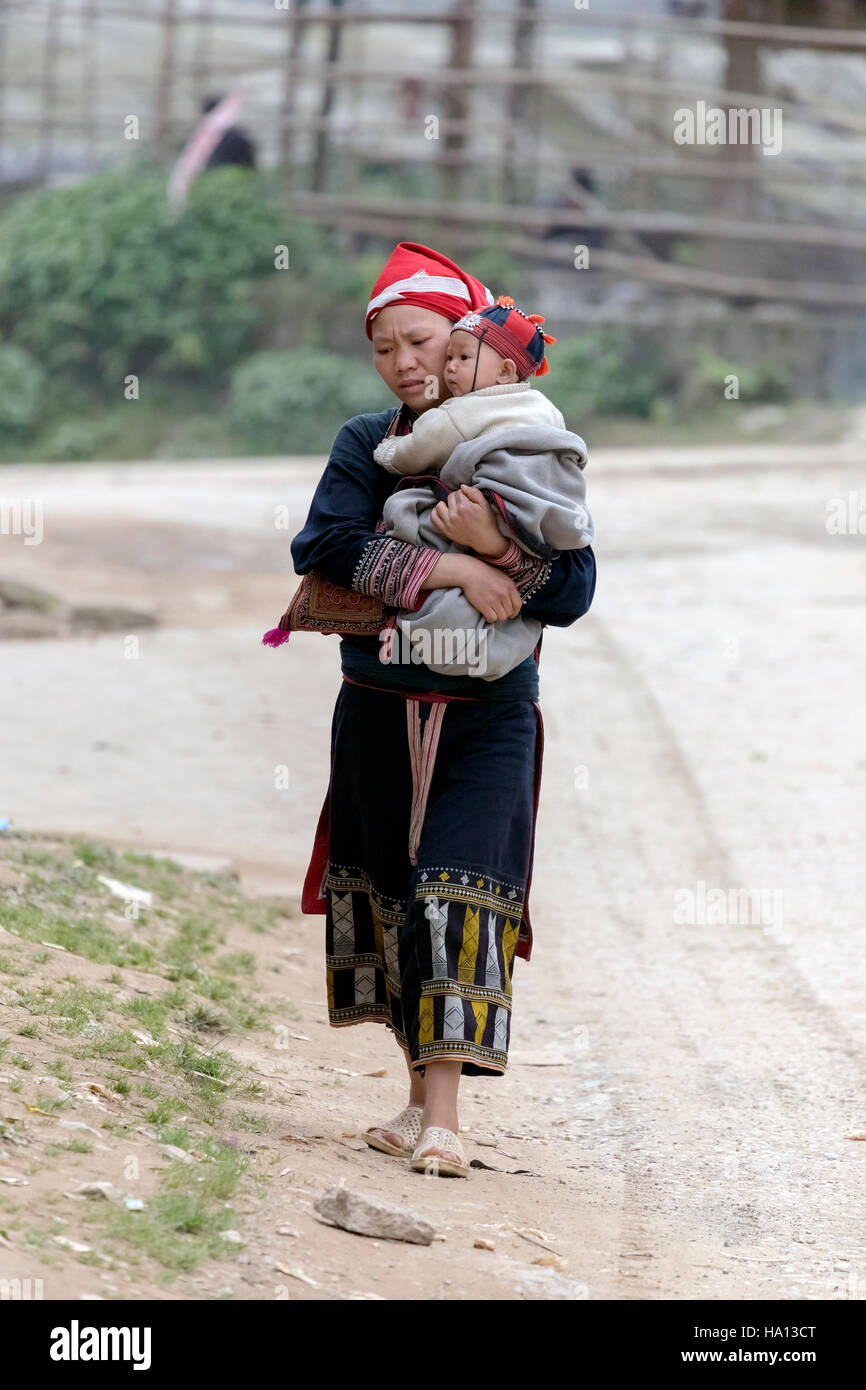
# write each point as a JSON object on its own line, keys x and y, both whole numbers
{"x": 406, "y": 320}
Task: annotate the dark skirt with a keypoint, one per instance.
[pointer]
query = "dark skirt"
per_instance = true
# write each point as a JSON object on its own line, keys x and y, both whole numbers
{"x": 422, "y": 864}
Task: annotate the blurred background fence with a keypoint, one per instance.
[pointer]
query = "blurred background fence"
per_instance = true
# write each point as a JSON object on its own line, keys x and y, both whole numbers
{"x": 535, "y": 139}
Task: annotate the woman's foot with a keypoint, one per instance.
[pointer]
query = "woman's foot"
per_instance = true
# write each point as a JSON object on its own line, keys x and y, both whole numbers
{"x": 405, "y": 1137}
{"x": 410, "y": 1128}
{"x": 444, "y": 1119}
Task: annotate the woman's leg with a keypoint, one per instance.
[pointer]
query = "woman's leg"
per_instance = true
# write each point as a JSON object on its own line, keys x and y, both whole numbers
{"x": 457, "y": 947}
{"x": 417, "y": 1096}
{"x": 368, "y": 867}
{"x": 443, "y": 1079}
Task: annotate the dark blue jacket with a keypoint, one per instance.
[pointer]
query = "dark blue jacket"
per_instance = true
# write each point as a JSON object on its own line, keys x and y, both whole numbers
{"x": 346, "y": 505}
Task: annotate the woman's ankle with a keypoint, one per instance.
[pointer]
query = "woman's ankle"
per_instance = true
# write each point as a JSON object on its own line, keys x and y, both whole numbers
{"x": 437, "y": 1115}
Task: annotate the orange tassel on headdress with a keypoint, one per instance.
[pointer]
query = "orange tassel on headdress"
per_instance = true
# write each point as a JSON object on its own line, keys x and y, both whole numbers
{"x": 505, "y": 301}
{"x": 539, "y": 319}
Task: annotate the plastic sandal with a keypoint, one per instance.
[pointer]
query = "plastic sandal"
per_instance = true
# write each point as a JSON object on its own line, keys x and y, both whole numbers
{"x": 435, "y": 1137}
{"x": 407, "y": 1124}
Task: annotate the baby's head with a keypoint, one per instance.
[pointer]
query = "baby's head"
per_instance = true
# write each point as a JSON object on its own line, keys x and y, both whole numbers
{"x": 495, "y": 347}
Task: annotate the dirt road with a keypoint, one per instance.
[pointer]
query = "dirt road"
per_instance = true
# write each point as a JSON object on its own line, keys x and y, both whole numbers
{"x": 690, "y": 1035}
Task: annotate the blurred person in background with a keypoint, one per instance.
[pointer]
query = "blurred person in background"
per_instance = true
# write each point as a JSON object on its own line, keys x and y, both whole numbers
{"x": 234, "y": 147}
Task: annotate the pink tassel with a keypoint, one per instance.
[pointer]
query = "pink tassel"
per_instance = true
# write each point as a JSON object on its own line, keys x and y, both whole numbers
{"x": 275, "y": 637}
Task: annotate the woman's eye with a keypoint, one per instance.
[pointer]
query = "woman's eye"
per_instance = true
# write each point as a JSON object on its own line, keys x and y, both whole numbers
{"x": 416, "y": 342}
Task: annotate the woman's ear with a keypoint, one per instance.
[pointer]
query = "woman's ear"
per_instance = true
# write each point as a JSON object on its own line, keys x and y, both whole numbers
{"x": 507, "y": 372}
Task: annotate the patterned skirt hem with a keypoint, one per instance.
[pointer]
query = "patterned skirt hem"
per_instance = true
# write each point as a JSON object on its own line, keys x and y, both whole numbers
{"x": 462, "y": 1052}
{"x": 367, "y": 1013}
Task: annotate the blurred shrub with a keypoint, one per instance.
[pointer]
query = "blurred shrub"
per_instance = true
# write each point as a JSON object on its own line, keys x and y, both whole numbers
{"x": 73, "y": 441}
{"x": 22, "y": 386}
{"x": 765, "y": 380}
{"x": 296, "y": 400}
{"x": 606, "y": 372}
{"x": 197, "y": 436}
{"x": 101, "y": 276}
{"x": 319, "y": 301}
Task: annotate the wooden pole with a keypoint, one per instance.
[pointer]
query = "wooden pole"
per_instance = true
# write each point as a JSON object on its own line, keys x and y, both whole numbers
{"x": 51, "y": 49}
{"x": 379, "y": 220}
{"x": 458, "y": 98}
{"x": 200, "y": 62}
{"x": 165, "y": 82}
{"x": 742, "y": 73}
{"x": 326, "y": 102}
{"x": 520, "y": 105}
{"x": 288, "y": 103}
{"x": 90, "y": 78}
{"x": 3, "y": 22}
{"x": 534, "y": 220}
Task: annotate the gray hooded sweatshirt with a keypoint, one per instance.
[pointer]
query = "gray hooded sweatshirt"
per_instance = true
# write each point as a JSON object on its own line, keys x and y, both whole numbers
{"x": 537, "y": 471}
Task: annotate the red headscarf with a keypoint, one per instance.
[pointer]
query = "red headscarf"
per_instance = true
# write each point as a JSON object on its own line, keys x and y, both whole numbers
{"x": 418, "y": 275}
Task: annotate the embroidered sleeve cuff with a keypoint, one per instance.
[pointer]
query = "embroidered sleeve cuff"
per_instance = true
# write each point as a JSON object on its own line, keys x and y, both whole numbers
{"x": 412, "y": 595}
{"x": 506, "y": 561}
{"x": 533, "y": 576}
{"x": 386, "y": 566}
{"x": 528, "y": 571}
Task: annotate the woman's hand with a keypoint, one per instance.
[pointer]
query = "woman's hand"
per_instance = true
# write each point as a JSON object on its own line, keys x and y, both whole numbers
{"x": 467, "y": 518}
{"x": 485, "y": 587}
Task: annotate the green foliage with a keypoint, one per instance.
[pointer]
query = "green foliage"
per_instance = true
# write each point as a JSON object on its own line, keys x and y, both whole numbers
{"x": 103, "y": 277}
{"x": 73, "y": 441}
{"x": 606, "y": 372}
{"x": 295, "y": 401}
{"x": 765, "y": 380}
{"x": 22, "y": 383}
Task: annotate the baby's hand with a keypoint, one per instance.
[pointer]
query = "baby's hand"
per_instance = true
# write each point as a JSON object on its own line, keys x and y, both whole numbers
{"x": 467, "y": 519}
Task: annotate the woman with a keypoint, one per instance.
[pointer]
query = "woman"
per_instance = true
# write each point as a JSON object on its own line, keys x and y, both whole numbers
{"x": 424, "y": 849}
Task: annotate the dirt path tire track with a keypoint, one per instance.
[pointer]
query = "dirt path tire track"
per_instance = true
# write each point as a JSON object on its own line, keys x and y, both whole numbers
{"x": 725, "y": 1078}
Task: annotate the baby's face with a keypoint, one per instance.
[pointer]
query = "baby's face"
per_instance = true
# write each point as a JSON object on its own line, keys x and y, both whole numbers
{"x": 460, "y": 365}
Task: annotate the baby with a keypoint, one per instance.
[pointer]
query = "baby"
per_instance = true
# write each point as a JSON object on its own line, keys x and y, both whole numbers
{"x": 498, "y": 434}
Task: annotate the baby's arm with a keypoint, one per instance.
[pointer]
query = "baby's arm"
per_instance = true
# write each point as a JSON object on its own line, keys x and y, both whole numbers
{"x": 434, "y": 436}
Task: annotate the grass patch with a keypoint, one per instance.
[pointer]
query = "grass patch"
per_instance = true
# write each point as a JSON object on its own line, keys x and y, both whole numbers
{"x": 181, "y": 1225}
{"x": 82, "y": 935}
{"x": 10, "y": 966}
{"x": 173, "y": 1088}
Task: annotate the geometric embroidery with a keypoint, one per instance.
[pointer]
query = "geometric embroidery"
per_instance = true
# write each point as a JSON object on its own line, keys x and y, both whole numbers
{"x": 390, "y": 944}
{"x": 437, "y": 916}
{"x": 464, "y": 1008}
{"x": 454, "y": 1020}
{"x": 492, "y": 974}
{"x": 426, "y": 1021}
{"x": 344, "y": 925}
{"x": 479, "y": 889}
{"x": 480, "y": 1011}
{"x": 365, "y": 985}
{"x": 509, "y": 942}
{"x": 469, "y": 949}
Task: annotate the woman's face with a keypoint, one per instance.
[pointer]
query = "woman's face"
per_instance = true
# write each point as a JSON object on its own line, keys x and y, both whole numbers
{"x": 409, "y": 350}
